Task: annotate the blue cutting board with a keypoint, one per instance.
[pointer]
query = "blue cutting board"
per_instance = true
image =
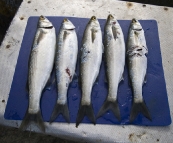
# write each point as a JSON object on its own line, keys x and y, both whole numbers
{"x": 154, "y": 91}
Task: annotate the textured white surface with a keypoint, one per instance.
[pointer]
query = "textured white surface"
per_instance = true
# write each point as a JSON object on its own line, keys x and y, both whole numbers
{"x": 87, "y": 8}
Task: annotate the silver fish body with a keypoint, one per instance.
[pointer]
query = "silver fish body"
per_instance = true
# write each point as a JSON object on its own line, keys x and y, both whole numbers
{"x": 115, "y": 61}
{"x": 40, "y": 68}
{"x": 91, "y": 57}
{"x": 137, "y": 64}
{"x": 66, "y": 59}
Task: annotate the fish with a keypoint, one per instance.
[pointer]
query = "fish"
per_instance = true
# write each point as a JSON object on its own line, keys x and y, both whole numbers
{"x": 40, "y": 68}
{"x": 65, "y": 62}
{"x": 137, "y": 64}
{"x": 90, "y": 62}
{"x": 114, "y": 51}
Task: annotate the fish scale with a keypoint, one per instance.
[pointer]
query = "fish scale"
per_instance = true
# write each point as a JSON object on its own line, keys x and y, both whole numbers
{"x": 90, "y": 61}
{"x": 40, "y": 68}
{"x": 115, "y": 60}
{"x": 137, "y": 64}
{"x": 66, "y": 58}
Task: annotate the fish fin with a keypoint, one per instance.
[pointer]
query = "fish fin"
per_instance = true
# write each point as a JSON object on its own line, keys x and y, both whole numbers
{"x": 145, "y": 79}
{"x": 65, "y": 35}
{"x": 93, "y": 35}
{"x": 40, "y": 36}
{"x": 110, "y": 105}
{"x": 122, "y": 78}
{"x": 60, "y": 109}
{"x": 85, "y": 110}
{"x": 103, "y": 48}
{"x": 137, "y": 108}
{"x": 97, "y": 80}
{"x": 36, "y": 118}
{"x": 114, "y": 32}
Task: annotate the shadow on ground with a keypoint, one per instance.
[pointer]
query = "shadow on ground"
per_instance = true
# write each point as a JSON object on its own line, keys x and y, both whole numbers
{"x": 14, "y": 135}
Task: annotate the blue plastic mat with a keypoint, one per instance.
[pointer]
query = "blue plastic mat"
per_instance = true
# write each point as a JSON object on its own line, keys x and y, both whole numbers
{"x": 154, "y": 91}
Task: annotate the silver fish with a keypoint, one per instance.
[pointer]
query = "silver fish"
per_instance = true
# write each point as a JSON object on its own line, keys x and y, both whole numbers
{"x": 91, "y": 57}
{"x": 115, "y": 60}
{"x": 40, "y": 68}
{"x": 137, "y": 64}
{"x": 66, "y": 58}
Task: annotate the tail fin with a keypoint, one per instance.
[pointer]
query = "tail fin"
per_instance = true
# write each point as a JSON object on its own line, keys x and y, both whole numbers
{"x": 137, "y": 108}
{"x": 85, "y": 110}
{"x": 60, "y": 109}
{"x": 110, "y": 105}
{"x": 37, "y": 118}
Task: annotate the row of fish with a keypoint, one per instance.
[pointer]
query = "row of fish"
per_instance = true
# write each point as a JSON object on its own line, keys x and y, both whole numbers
{"x": 63, "y": 52}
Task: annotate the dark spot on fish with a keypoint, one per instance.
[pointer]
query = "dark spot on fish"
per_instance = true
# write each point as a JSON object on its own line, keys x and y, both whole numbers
{"x": 129, "y": 4}
{"x": 157, "y": 140}
{"x": 3, "y": 101}
{"x": 165, "y": 8}
{"x": 29, "y": 1}
{"x": 88, "y": 51}
{"x": 8, "y": 46}
{"x": 114, "y": 22}
{"x": 21, "y": 18}
{"x": 139, "y": 49}
{"x": 68, "y": 72}
{"x": 35, "y": 9}
{"x": 144, "y": 5}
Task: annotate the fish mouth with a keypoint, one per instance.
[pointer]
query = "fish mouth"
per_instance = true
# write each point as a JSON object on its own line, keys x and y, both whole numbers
{"x": 65, "y": 20}
{"x": 93, "y": 18}
{"x": 134, "y": 20}
{"x": 42, "y": 17}
{"x": 110, "y": 16}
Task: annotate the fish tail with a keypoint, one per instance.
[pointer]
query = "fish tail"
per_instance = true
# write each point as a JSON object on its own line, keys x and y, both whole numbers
{"x": 85, "y": 110}
{"x": 137, "y": 108}
{"x": 110, "y": 105}
{"x": 60, "y": 109}
{"x": 36, "y": 118}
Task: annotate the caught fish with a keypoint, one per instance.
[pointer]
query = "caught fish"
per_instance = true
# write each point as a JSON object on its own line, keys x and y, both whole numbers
{"x": 137, "y": 64}
{"x": 66, "y": 58}
{"x": 40, "y": 68}
{"x": 91, "y": 57}
{"x": 115, "y": 60}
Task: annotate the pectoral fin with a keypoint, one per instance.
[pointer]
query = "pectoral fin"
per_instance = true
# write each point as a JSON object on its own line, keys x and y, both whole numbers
{"x": 114, "y": 32}
{"x": 65, "y": 35}
{"x": 93, "y": 35}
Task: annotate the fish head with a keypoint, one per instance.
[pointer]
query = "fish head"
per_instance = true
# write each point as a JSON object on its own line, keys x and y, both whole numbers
{"x": 112, "y": 21}
{"x": 94, "y": 23}
{"x": 44, "y": 22}
{"x": 135, "y": 25}
{"x": 67, "y": 24}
